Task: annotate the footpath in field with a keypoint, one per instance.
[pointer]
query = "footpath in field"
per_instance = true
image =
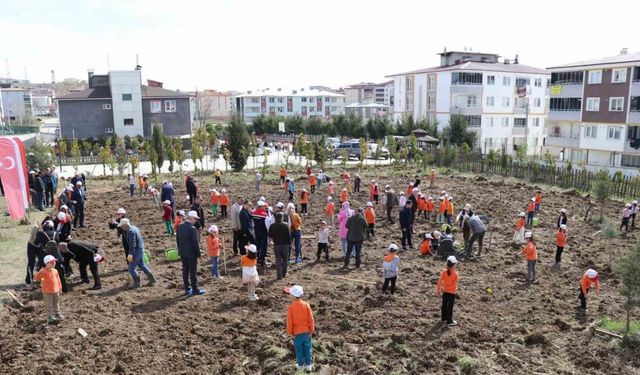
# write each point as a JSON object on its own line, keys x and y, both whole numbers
{"x": 505, "y": 326}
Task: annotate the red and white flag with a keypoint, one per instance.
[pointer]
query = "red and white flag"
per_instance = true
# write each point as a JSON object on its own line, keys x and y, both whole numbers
{"x": 13, "y": 172}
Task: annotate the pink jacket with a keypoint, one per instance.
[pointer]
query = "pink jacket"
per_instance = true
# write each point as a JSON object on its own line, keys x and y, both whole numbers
{"x": 342, "y": 219}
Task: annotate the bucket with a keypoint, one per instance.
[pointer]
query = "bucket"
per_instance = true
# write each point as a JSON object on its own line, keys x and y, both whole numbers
{"x": 172, "y": 254}
{"x": 535, "y": 221}
{"x": 145, "y": 257}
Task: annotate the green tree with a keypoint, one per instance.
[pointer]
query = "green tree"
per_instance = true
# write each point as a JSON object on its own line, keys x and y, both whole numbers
{"x": 320, "y": 153}
{"x": 179, "y": 152}
{"x": 315, "y": 126}
{"x": 393, "y": 145}
{"x": 127, "y": 141}
{"x": 196, "y": 153}
{"x": 309, "y": 152}
{"x": 135, "y": 162}
{"x": 378, "y": 153}
{"x": 157, "y": 141}
{"x": 629, "y": 270}
{"x": 153, "y": 158}
{"x": 364, "y": 151}
{"x": 121, "y": 156}
{"x": 171, "y": 153}
{"x": 602, "y": 190}
{"x": 75, "y": 153}
{"x": 226, "y": 155}
{"x": 521, "y": 153}
{"x": 413, "y": 146}
{"x": 135, "y": 144}
{"x": 62, "y": 148}
{"x": 105, "y": 158}
{"x": 294, "y": 124}
{"x": 458, "y": 132}
{"x": 345, "y": 157}
{"x": 39, "y": 154}
{"x": 301, "y": 143}
{"x": 238, "y": 143}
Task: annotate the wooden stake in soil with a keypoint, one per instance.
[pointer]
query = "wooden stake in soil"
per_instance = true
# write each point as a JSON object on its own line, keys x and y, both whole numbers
{"x": 15, "y": 298}
{"x": 224, "y": 256}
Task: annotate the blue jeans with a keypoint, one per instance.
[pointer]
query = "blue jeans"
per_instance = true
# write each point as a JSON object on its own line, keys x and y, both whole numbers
{"x": 302, "y": 344}
{"x": 40, "y": 200}
{"x": 297, "y": 234}
{"x": 537, "y": 208}
{"x": 214, "y": 267}
{"x": 137, "y": 263}
{"x": 343, "y": 241}
{"x": 530, "y": 218}
{"x": 132, "y": 189}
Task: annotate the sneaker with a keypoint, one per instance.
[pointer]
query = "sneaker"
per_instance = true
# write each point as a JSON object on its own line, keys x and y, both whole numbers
{"x": 96, "y": 287}
{"x": 52, "y": 320}
{"x": 253, "y": 297}
{"x": 59, "y": 317}
{"x": 187, "y": 292}
{"x": 220, "y": 278}
{"x": 453, "y": 323}
{"x": 308, "y": 368}
{"x": 299, "y": 367}
{"x": 198, "y": 292}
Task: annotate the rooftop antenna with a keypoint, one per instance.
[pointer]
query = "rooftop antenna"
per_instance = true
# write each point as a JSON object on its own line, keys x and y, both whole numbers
{"x": 53, "y": 77}
{"x": 138, "y": 67}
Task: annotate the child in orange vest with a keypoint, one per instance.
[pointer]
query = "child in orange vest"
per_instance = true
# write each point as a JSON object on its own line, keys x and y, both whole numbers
{"x": 531, "y": 253}
{"x": 51, "y": 287}
{"x": 442, "y": 208}
{"x": 425, "y": 246}
{"x": 409, "y": 190}
{"x": 420, "y": 205}
{"x": 283, "y": 174}
{"x": 224, "y": 203}
{"x": 588, "y": 279}
{"x": 347, "y": 182}
{"x": 330, "y": 209}
{"x": 561, "y": 242}
{"x": 330, "y": 188}
{"x": 531, "y": 211}
{"x": 300, "y": 325}
{"x": 215, "y": 201}
{"x": 249, "y": 271}
{"x": 429, "y": 206}
{"x": 448, "y": 285}
{"x": 538, "y": 201}
{"x": 390, "y": 269}
{"x": 213, "y": 248}
{"x": 518, "y": 236}
{"x": 343, "y": 195}
{"x": 178, "y": 220}
{"x": 304, "y": 200}
{"x": 313, "y": 181}
{"x": 370, "y": 217}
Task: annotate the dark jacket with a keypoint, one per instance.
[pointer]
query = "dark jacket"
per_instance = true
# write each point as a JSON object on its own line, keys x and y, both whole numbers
{"x": 414, "y": 201}
{"x": 48, "y": 183}
{"x": 80, "y": 251}
{"x": 405, "y": 217}
{"x": 561, "y": 220}
{"x": 392, "y": 199}
{"x": 246, "y": 222}
{"x": 65, "y": 230}
{"x": 167, "y": 193}
{"x": 198, "y": 208}
{"x": 78, "y": 196}
{"x": 38, "y": 184}
{"x": 356, "y": 227}
{"x": 187, "y": 240}
{"x": 120, "y": 233}
{"x": 191, "y": 186}
{"x": 280, "y": 234}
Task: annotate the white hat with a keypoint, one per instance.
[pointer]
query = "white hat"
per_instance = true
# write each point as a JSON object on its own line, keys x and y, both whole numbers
{"x": 450, "y": 198}
{"x": 369, "y": 204}
{"x": 441, "y": 198}
{"x": 522, "y": 214}
{"x": 628, "y": 205}
{"x": 344, "y": 189}
{"x": 263, "y": 199}
{"x": 291, "y": 206}
{"x": 373, "y": 181}
{"x": 279, "y": 205}
{"x": 329, "y": 198}
{"x": 563, "y": 210}
{"x": 51, "y": 258}
{"x": 303, "y": 189}
{"x": 193, "y": 214}
{"x": 262, "y": 203}
{"x": 330, "y": 182}
{"x": 123, "y": 221}
{"x": 121, "y": 211}
{"x": 452, "y": 259}
{"x": 61, "y": 216}
{"x": 437, "y": 234}
{"x": 393, "y": 247}
{"x": 402, "y": 193}
{"x": 528, "y": 235}
{"x": 251, "y": 247}
{"x": 387, "y": 186}
{"x": 64, "y": 207}
{"x": 467, "y": 206}
{"x": 533, "y": 199}
{"x": 295, "y": 291}
{"x": 420, "y": 195}
{"x": 414, "y": 190}
{"x": 49, "y": 223}
{"x": 563, "y": 226}
{"x": 167, "y": 202}
{"x": 213, "y": 229}
{"x": 634, "y": 202}
{"x": 223, "y": 190}
{"x": 79, "y": 183}
{"x": 443, "y": 192}
{"x": 98, "y": 258}
{"x": 32, "y": 172}
{"x": 592, "y": 274}
{"x": 428, "y": 236}
{"x": 180, "y": 212}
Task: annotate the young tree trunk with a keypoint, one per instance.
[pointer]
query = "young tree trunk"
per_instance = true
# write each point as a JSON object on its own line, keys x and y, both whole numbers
{"x": 626, "y": 327}
{"x": 610, "y": 252}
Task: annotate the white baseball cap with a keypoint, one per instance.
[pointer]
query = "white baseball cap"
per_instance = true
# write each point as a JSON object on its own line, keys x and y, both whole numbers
{"x": 252, "y": 248}
{"x": 591, "y": 273}
{"x": 563, "y": 210}
{"x": 467, "y": 206}
{"x": 193, "y": 214}
{"x": 522, "y": 214}
{"x": 64, "y": 207}
{"x": 295, "y": 291}
{"x": 437, "y": 234}
{"x": 563, "y": 226}
{"x": 452, "y": 259}
{"x": 291, "y": 205}
{"x": 51, "y": 258}
{"x": 61, "y": 216}
{"x": 79, "y": 183}
{"x": 49, "y": 223}
{"x": 180, "y": 212}
{"x": 121, "y": 211}
{"x": 393, "y": 247}
{"x": 167, "y": 202}
{"x": 123, "y": 221}
{"x": 213, "y": 229}
{"x": 528, "y": 235}
{"x": 329, "y": 198}
{"x": 415, "y": 190}
{"x": 262, "y": 203}
{"x": 441, "y": 198}
{"x": 369, "y": 204}
{"x": 428, "y": 236}
{"x": 533, "y": 199}
{"x": 279, "y": 205}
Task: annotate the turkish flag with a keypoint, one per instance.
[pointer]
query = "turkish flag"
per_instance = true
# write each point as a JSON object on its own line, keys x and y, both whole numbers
{"x": 13, "y": 172}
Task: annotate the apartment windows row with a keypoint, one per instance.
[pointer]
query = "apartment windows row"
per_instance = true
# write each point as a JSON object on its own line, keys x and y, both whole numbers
{"x": 473, "y": 121}
{"x": 567, "y": 78}
{"x": 458, "y": 78}
{"x": 518, "y": 122}
{"x": 613, "y": 133}
{"x": 616, "y": 104}
{"x": 565, "y": 104}
{"x": 170, "y": 106}
{"x": 506, "y": 81}
{"x": 506, "y": 101}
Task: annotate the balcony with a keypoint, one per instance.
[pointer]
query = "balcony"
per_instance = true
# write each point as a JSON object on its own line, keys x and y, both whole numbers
{"x": 465, "y": 111}
{"x": 466, "y": 90}
{"x": 562, "y": 141}
{"x": 567, "y": 90}
{"x": 519, "y": 131}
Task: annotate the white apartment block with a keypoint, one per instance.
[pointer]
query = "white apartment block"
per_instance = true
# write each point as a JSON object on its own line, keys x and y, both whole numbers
{"x": 287, "y": 103}
{"x": 504, "y": 102}
{"x": 594, "y": 111}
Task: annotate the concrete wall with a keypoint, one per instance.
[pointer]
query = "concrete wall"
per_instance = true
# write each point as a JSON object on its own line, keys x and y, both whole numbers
{"x": 606, "y": 90}
{"x": 174, "y": 123}
{"x": 85, "y": 118}
{"x": 126, "y": 82}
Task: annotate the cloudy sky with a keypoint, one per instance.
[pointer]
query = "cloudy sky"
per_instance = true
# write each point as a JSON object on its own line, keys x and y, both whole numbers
{"x": 245, "y": 44}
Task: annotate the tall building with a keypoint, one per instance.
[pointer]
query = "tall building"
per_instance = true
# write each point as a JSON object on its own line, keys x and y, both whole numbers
{"x": 503, "y": 102}
{"x": 368, "y": 92}
{"x": 594, "y": 111}
{"x": 118, "y": 103}
{"x": 287, "y": 103}
{"x": 215, "y": 105}
{"x": 16, "y": 106}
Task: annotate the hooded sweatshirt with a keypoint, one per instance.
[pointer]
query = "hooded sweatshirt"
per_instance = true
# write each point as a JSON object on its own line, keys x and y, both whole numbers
{"x": 390, "y": 265}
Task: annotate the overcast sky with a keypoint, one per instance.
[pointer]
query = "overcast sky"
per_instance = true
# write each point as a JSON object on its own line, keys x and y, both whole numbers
{"x": 245, "y": 44}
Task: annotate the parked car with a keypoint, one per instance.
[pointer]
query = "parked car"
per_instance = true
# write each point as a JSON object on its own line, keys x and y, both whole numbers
{"x": 352, "y": 148}
{"x": 332, "y": 142}
{"x": 373, "y": 147}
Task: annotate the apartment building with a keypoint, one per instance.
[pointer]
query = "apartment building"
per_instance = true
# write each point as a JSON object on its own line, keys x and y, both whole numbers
{"x": 594, "y": 111}
{"x": 286, "y": 103}
{"x": 16, "y": 105}
{"x": 368, "y": 92}
{"x": 503, "y": 101}
{"x": 118, "y": 103}
{"x": 215, "y": 105}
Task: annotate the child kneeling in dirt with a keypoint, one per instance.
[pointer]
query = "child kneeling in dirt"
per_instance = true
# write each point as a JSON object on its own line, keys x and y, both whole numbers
{"x": 249, "y": 270}
{"x": 425, "y": 246}
{"x": 51, "y": 287}
{"x": 300, "y": 325}
{"x": 390, "y": 268}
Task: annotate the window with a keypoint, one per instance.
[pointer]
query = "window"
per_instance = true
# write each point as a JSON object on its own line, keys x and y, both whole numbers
{"x": 327, "y": 99}
{"x": 567, "y": 78}
{"x": 108, "y": 130}
{"x": 304, "y": 99}
{"x": 535, "y": 122}
{"x": 565, "y": 104}
{"x": 155, "y": 106}
{"x": 490, "y": 101}
{"x": 280, "y": 100}
{"x": 506, "y": 81}
{"x": 537, "y": 102}
{"x": 312, "y": 109}
{"x": 466, "y": 78}
{"x": 472, "y": 101}
{"x": 280, "y": 109}
{"x": 537, "y": 82}
{"x": 106, "y": 106}
{"x": 505, "y": 101}
{"x": 613, "y": 132}
{"x": 636, "y": 74}
{"x": 616, "y": 104}
{"x": 170, "y": 106}
{"x": 630, "y": 161}
{"x": 128, "y": 122}
{"x": 491, "y": 80}
{"x": 519, "y": 122}
{"x": 619, "y": 75}
{"x": 520, "y": 81}
{"x": 595, "y": 77}
{"x": 473, "y": 121}
{"x": 593, "y": 104}
{"x": 126, "y": 97}
{"x": 489, "y": 122}
{"x": 504, "y": 122}
{"x": 634, "y": 105}
{"x": 431, "y": 82}
{"x": 431, "y": 102}
{"x": 591, "y": 131}
{"x": 272, "y": 99}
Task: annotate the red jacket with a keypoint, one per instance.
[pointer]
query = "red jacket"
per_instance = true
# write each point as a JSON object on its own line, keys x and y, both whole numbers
{"x": 167, "y": 213}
